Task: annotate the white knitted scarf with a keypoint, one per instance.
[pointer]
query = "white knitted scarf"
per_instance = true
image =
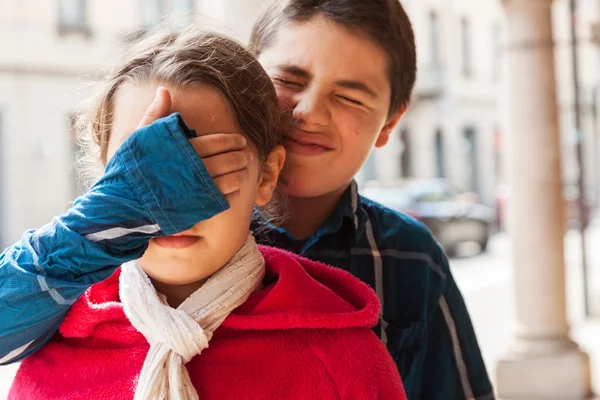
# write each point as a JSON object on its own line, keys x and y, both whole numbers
{"x": 177, "y": 335}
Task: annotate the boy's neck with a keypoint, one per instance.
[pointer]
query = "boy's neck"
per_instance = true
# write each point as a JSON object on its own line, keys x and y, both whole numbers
{"x": 305, "y": 215}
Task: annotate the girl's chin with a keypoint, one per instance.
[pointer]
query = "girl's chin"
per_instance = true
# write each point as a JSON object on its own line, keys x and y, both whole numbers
{"x": 172, "y": 271}
{"x": 181, "y": 280}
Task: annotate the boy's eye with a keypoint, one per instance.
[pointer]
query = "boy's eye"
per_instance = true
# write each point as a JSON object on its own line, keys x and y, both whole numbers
{"x": 286, "y": 82}
{"x": 351, "y": 101}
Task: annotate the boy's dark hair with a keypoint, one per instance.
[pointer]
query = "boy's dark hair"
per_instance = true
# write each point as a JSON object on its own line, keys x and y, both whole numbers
{"x": 383, "y": 21}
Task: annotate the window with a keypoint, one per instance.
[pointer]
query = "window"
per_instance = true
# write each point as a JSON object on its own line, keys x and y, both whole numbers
{"x": 496, "y": 51}
{"x": 152, "y": 12}
{"x": 434, "y": 38}
{"x": 73, "y": 14}
{"x": 439, "y": 155}
{"x": 183, "y": 10}
{"x": 472, "y": 158}
{"x": 78, "y": 186}
{"x": 497, "y": 154}
{"x": 405, "y": 154}
{"x": 465, "y": 33}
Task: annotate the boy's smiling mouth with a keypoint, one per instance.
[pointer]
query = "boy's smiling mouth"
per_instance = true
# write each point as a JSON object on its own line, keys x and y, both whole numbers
{"x": 307, "y": 144}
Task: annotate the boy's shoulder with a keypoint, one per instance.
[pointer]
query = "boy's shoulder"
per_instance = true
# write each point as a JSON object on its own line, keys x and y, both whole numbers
{"x": 407, "y": 247}
{"x": 403, "y": 237}
{"x": 394, "y": 228}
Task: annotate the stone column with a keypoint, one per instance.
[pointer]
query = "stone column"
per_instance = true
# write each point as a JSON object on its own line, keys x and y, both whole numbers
{"x": 543, "y": 363}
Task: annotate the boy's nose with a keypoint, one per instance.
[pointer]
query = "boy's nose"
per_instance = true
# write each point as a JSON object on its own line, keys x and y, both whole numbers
{"x": 311, "y": 110}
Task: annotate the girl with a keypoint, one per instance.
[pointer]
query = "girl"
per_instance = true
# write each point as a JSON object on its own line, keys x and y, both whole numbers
{"x": 196, "y": 309}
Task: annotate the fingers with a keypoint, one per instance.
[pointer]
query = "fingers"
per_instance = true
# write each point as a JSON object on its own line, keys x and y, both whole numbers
{"x": 226, "y": 157}
{"x": 160, "y": 107}
{"x": 227, "y": 163}
{"x": 230, "y": 184}
{"x": 218, "y": 143}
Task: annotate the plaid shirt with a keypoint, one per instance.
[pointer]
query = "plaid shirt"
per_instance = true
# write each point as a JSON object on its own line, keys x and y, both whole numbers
{"x": 142, "y": 195}
{"x": 425, "y": 323}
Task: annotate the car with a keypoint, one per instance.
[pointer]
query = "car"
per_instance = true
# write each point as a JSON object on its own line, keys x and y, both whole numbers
{"x": 454, "y": 218}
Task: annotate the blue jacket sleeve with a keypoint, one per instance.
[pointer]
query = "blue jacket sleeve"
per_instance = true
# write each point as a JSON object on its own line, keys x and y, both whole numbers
{"x": 454, "y": 368}
{"x": 155, "y": 185}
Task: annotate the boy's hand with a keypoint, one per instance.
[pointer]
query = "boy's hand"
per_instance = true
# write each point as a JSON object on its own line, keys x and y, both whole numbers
{"x": 225, "y": 155}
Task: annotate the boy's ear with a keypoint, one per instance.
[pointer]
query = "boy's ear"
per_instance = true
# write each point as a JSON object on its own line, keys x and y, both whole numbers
{"x": 386, "y": 131}
{"x": 269, "y": 175}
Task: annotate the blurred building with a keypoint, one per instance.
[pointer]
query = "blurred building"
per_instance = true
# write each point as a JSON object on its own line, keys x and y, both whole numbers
{"x": 52, "y": 49}
{"x": 456, "y": 123}
{"x": 51, "y": 53}
{"x": 453, "y": 127}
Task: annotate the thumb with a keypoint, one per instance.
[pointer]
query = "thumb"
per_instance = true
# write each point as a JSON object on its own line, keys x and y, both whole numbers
{"x": 160, "y": 107}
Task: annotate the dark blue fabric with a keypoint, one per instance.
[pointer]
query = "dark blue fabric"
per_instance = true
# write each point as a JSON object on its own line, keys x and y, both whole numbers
{"x": 429, "y": 332}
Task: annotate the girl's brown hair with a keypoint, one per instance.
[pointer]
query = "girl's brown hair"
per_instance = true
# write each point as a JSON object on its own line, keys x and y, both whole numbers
{"x": 182, "y": 59}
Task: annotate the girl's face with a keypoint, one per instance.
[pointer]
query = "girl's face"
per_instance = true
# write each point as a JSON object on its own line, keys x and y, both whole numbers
{"x": 204, "y": 109}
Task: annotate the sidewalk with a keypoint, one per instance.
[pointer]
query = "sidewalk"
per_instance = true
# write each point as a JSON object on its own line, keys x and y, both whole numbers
{"x": 490, "y": 297}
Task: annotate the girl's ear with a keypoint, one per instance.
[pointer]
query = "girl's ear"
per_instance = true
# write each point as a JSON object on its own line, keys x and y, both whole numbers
{"x": 267, "y": 181}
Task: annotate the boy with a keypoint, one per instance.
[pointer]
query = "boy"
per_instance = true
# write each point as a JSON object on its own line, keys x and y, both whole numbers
{"x": 344, "y": 71}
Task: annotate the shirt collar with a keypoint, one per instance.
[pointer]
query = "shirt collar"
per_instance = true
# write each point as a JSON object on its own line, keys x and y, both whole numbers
{"x": 348, "y": 214}
{"x": 349, "y": 206}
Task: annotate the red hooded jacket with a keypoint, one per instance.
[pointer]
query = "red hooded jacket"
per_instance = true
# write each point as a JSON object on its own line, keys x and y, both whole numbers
{"x": 305, "y": 335}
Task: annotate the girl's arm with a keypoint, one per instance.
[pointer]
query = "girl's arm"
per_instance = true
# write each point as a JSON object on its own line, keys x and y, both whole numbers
{"x": 155, "y": 185}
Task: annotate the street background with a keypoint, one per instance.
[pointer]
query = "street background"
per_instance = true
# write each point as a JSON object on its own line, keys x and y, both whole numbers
{"x": 54, "y": 52}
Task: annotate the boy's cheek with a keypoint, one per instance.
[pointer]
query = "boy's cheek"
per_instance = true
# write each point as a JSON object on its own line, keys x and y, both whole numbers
{"x": 286, "y": 100}
{"x": 356, "y": 123}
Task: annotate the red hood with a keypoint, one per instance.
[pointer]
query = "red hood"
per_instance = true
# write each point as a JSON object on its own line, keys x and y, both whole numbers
{"x": 297, "y": 293}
